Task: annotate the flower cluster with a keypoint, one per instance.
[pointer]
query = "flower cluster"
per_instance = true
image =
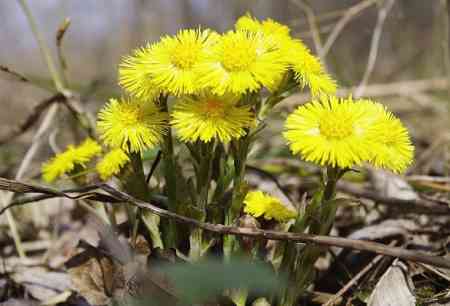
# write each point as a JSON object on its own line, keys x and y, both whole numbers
{"x": 344, "y": 132}
{"x": 217, "y": 83}
{"x": 208, "y": 73}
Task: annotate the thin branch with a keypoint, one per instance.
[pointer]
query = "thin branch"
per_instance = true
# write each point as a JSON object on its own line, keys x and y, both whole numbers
{"x": 427, "y": 178}
{"x": 15, "y": 74}
{"x": 374, "y": 46}
{"x": 378, "y": 90}
{"x": 32, "y": 118}
{"x": 444, "y": 24}
{"x": 419, "y": 205}
{"x": 355, "y": 279}
{"x": 360, "y": 245}
{"x": 43, "y": 46}
{"x": 59, "y": 39}
{"x": 46, "y": 123}
{"x": 340, "y": 25}
{"x": 313, "y": 27}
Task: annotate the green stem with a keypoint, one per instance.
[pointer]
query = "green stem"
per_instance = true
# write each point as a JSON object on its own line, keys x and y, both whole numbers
{"x": 238, "y": 193}
{"x": 133, "y": 180}
{"x": 171, "y": 179}
{"x": 203, "y": 185}
{"x": 319, "y": 218}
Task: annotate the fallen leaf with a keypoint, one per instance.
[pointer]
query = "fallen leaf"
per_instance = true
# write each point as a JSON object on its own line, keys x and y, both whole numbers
{"x": 41, "y": 283}
{"x": 394, "y": 288}
{"x": 390, "y": 185}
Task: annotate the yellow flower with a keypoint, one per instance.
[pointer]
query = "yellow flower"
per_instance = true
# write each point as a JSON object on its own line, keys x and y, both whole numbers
{"x": 307, "y": 68}
{"x": 88, "y": 149}
{"x": 112, "y": 163}
{"x": 67, "y": 161}
{"x": 333, "y": 132}
{"x": 393, "y": 149}
{"x": 168, "y": 65}
{"x": 268, "y": 26}
{"x": 136, "y": 78}
{"x": 131, "y": 125}
{"x": 260, "y": 204}
{"x": 209, "y": 116}
{"x": 241, "y": 61}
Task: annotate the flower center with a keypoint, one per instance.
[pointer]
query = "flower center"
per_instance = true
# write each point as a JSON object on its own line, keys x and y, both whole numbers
{"x": 238, "y": 55}
{"x": 214, "y": 109}
{"x": 335, "y": 128}
{"x": 130, "y": 117}
{"x": 185, "y": 55}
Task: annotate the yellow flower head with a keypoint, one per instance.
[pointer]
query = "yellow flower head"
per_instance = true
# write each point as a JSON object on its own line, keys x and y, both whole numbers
{"x": 332, "y": 131}
{"x": 66, "y": 161}
{"x": 393, "y": 149}
{"x": 131, "y": 125}
{"x": 267, "y": 27}
{"x": 112, "y": 163}
{"x": 168, "y": 65}
{"x": 88, "y": 149}
{"x": 210, "y": 117}
{"x": 257, "y": 204}
{"x": 241, "y": 61}
{"x": 136, "y": 78}
{"x": 307, "y": 68}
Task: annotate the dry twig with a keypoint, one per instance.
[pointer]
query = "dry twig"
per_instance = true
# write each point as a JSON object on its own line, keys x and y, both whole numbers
{"x": 420, "y": 206}
{"x": 355, "y": 279}
{"x": 360, "y": 245}
{"x": 32, "y": 118}
{"x": 340, "y": 25}
{"x": 378, "y": 90}
{"x": 374, "y": 46}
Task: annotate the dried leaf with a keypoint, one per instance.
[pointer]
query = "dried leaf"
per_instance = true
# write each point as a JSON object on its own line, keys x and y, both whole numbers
{"x": 390, "y": 185}
{"x": 41, "y": 283}
{"x": 394, "y": 288}
{"x": 96, "y": 277}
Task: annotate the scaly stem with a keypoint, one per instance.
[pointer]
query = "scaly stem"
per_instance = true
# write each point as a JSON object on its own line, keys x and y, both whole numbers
{"x": 170, "y": 175}
{"x": 319, "y": 218}
{"x": 133, "y": 180}
{"x": 203, "y": 186}
{"x": 240, "y": 159}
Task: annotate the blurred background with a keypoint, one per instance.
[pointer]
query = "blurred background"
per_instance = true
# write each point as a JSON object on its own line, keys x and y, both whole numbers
{"x": 393, "y": 51}
{"x": 412, "y": 45}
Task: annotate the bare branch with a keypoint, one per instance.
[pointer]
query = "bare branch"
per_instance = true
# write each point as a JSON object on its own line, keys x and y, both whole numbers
{"x": 378, "y": 90}
{"x": 314, "y": 29}
{"x": 340, "y": 25}
{"x": 15, "y": 74}
{"x": 360, "y": 245}
{"x": 374, "y": 46}
{"x": 32, "y": 118}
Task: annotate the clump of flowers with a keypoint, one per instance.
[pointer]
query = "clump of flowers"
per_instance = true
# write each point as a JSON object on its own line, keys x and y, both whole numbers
{"x": 193, "y": 106}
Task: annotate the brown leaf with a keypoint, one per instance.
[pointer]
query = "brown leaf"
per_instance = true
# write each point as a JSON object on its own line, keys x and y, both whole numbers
{"x": 95, "y": 276}
{"x": 394, "y": 288}
{"x": 41, "y": 283}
